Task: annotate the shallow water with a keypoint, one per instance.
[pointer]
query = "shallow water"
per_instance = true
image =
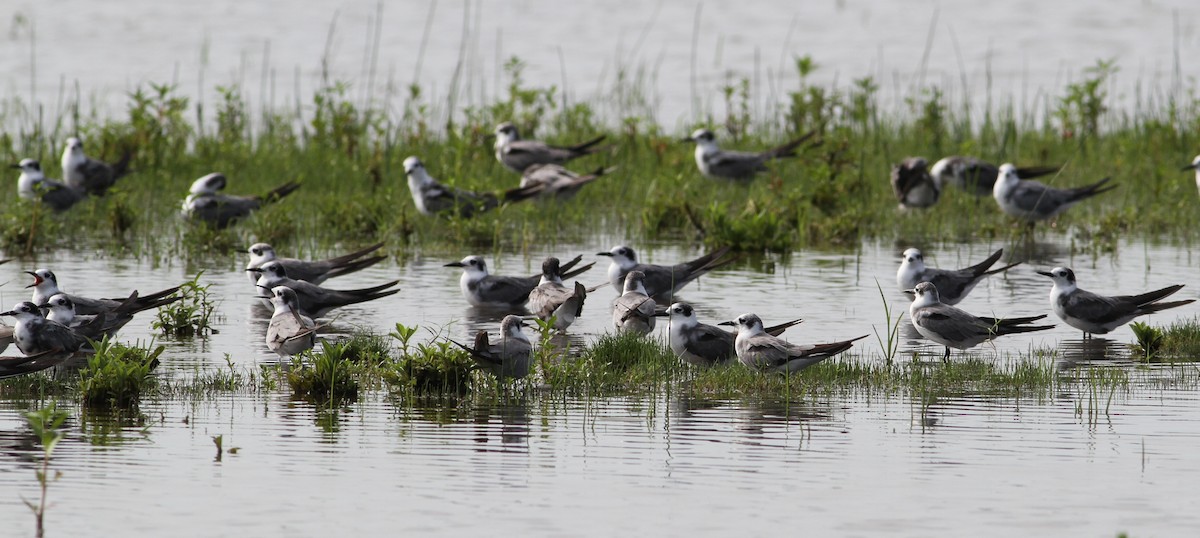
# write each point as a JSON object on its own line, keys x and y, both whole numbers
{"x": 998, "y": 50}
{"x": 846, "y": 464}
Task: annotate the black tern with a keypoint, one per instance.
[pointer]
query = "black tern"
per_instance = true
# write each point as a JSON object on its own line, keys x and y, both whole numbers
{"x": 953, "y": 285}
{"x": 662, "y": 281}
{"x": 554, "y": 180}
{"x": 760, "y": 351}
{"x": 205, "y": 203}
{"x": 45, "y": 286}
{"x": 315, "y": 301}
{"x": 955, "y": 328}
{"x": 289, "y": 332}
{"x": 736, "y": 165}
{"x": 91, "y": 175}
{"x": 483, "y": 289}
{"x": 1099, "y": 314}
{"x": 978, "y": 177}
{"x": 316, "y": 271}
{"x": 633, "y": 310}
{"x": 34, "y": 185}
{"x": 433, "y": 198}
{"x": 35, "y": 334}
{"x": 551, "y": 299}
{"x": 509, "y": 357}
{"x": 705, "y": 345}
{"x": 1194, "y": 166}
{"x": 912, "y": 184}
{"x": 518, "y": 155}
{"x": 1033, "y": 201}
{"x": 61, "y": 309}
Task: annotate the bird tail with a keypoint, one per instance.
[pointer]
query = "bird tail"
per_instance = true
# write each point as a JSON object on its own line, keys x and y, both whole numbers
{"x": 778, "y": 329}
{"x": 1157, "y": 307}
{"x": 714, "y": 260}
{"x": 1145, "y": 299}
{"x": 580, "y": 295}
{"x": 789, "y": 149}
{"x": 576, "y": 272}
{"x": 1089, "y": 191}
{"x": 355, "y": 265}
{"x": 121, "y": 167}
{"x": 832, "y": 348}
{"x": 981, "y": 268}
{"x": 371, "y": 296}
{"x": 345, "y": 259}
{"x": 1031, "y": 172}
{"x": 1002, "y": 330}
{"x": 374, "y": 289}
{"x": 523, "y": 193}
{"x": 587, "y": 148}
{"x": 279, "y": 192}
{"x": 1002, "y": 269}
{"x": 1012, "y": 322}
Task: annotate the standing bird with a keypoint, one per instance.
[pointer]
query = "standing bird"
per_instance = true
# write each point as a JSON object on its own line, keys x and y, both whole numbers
{"x": 89, "y": 175}
{"x": 978, "y": 177}
{"x": 912, "y": 184}
{"x": 1194, "y": 166}
{"x": 35, "y": 334}
{"x": 760, "y": 351}
{"x": 1099, "y": 314}
{"x": 633, "y": 311}
{"x": 206, "y": 204}
{"x": 518, "y": 155}
{"x": 34, "y": 185}
{"x": 551, "y": 299}
{"x": 736, "y": 165}
{"x": 483, "y": 289}
{"x": 510, "y": 357}
{"x": 554, "y": 180}
{"x": 315, "y": 301}
{"x": 661, "y": 281}
{"x": 1033, "y": 201}
{"x": 953, "y": 285}
{"x": 432, "y": 198}
{"x": 289, "y": 332}
{"x": 45, "y": 286}
{"x": 316, "y": 271}
{"x": 955, "y": 328}
{"x": 699, "y": 344}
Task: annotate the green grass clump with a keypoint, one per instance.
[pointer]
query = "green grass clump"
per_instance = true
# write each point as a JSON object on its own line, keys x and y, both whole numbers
{"x": 1181, "y": 341}
{"x": 613, "y": 364}
{"x": 437, "y": 368}
{"x": 117, "y": 374}
{"x": 327, "y": 375}
{"x": 190, "y": 316}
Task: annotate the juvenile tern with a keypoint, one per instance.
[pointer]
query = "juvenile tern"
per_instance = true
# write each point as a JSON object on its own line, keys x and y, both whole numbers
{"x": 289, "y": 333}
{"x": 760, "y": 351}
{"x": 518, "y": 155}
{"x": 432, "y": 197}
{"x": 1033, "y": 201}
{"x": 34, "y": 185}
{"x": 60, "y": 309}
{"x": 509, "y": 357}
{"x": 316, "y": 271}
{"x": 661, "y": 281}
{"x": 1099, "y": 314}
{"x": 45, "y": 286}
{"x": 700, "y": 344}
{"x": 633, "y": 310}
{"x": 483, "y": 289}
{"x": 35, "y": 334}
{"x": 551, "y": 299}
{"x": 315, "y": 301}
{"x": 978, "y": 177}
{"x": 554, "y": 180}
{"x": 952, "y": 285}
{"x": 91, "y": 175}
{"x": 912, "y": 184}
{"x": 955, "y": 328}
{"x": 205, "y": 203}
{"x": 736, "y": 165}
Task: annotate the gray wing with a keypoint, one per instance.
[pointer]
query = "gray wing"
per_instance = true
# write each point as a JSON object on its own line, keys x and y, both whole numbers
{"x": 521, "y": 154}
{"x": 505, "y": 289}
{"x": 951, "y": 284}
{"x": 765, "y": 351}
{"x": 735, "y": 164}
{"x": 952, "y": 324}
{"x": 1098, "y": 309}
{"x": 712, "y": 343}
{"x": 59, "y": 196}
{"x": 634, "y": 306}
{"x": 1033, "y": 196}
{"x": 222, "y": 210}
{"x": 98, "y": 176}
{"x": 86, "y": 307}
{"x": 307, "y": 271}
{"x": 52, "y": 336}
{"x": 439, "y": 198}
{"x": 545, "y": 299}
{"x": 976, "y": 176}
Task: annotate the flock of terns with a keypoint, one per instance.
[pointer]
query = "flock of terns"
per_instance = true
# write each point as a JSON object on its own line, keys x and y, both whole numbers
{"x": 53, "y": 325}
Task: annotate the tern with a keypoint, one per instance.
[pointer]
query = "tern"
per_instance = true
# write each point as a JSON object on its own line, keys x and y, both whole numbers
{"x": 509, "y": 357}
{"x": 315, "y": 301}
{"x": 736, "y": 165}
{"x": 483, "y": 289}
{"x": 554, "y": 180}
{"x": 205, "y": 203}
{"x": 35, "y": 334}
{"x": 661, "y": 281}
{"x": 551, "y": 299}
{"x": 760, "y": 351}
{"x": 1194, "y": 166}
{"x": 953, "y": 285}
{"x": 518, "y": 155}
{"x": 15, "y": 366}
{"x": 34, "y": 185}
{"x": 316, "y": 271}
{"x": 45, "y": 286}
{"x": 289, "y": 333}
{"x": 633, "y": 310}
{"x": 1099, "y": 314}
{"x": 6, "y": 337}
{"x": 61, "y": 309}
{"x": 92, "y": 176}
{"x": 978, "y": 177}
{"x": 700, "y": 344}
{"x": 1033, "y": 201}
{"x": 955, "y": 328}
{"x": 912, "y": 184}
{"x": 432, "y": 198}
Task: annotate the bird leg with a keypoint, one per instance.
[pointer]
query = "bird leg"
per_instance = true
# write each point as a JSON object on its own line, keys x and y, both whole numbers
{"x": 946, "y": 357}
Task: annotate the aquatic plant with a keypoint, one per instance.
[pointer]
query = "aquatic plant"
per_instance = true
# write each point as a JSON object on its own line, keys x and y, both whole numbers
{"x": 1149, "y": 339}
{"x": 117, "y": 374}
{"x": 892, "y": 344}
{"x": 46, "y": 424}
{"x": 190, "y": 316}
{"x": 436, "y": 368}
{"x": 324, "y": 376}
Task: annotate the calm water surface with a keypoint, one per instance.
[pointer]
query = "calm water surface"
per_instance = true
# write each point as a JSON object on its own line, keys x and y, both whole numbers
{"x": 548, "y": 466}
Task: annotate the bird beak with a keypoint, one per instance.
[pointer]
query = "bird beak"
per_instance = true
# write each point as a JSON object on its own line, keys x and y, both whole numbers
{"x": 455, "y": 264}
{"x": 1192, "y": 166}
{"x": 9, "y": 313}
{"x": 17, "y": 166}
{"x": 912, "y": 293}
{"x": 686, "y": 139}
{"x": 254, "y": 270}
{"x": 609, "y": 254}
{"x": 663, "y": 314}
{"x": 729, "y": 323}
{"x": 36, "y": 279}
{"x": 1045, "y": 273}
